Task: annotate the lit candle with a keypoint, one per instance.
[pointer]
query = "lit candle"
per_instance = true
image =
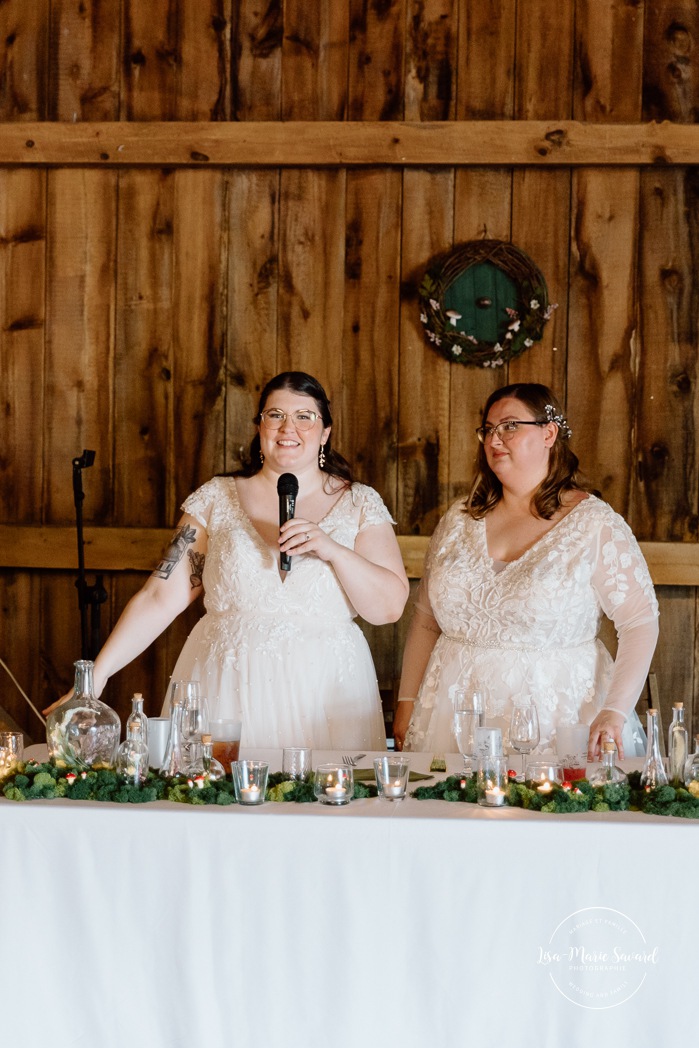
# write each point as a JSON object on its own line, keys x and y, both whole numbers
{"x": 394, "y": 790}
{"x": 250, "y": 794}
{"x": 545, "y": 787}
{"x": 494, "y": 796}
{"x": 336, "y": 793}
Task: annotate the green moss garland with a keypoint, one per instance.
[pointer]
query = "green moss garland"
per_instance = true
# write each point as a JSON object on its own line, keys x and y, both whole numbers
{"x": 45, "y": 781}
{"x": 580, "y": 797}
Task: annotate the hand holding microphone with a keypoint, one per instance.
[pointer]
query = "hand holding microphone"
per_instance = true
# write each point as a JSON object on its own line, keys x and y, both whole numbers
{"x": 287, "y": 490}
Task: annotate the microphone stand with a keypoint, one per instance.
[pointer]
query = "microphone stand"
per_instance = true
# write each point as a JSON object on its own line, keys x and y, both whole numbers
{"x": 88, "y": 596}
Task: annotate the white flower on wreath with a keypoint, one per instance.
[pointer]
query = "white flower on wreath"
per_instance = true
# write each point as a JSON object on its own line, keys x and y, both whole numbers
{"x": 456, "y": 351}
{"x": 497, "y": 348}
{"x": 515, "y": 325}
{"x": 528, "y": 342}
{"x": 534, "y": 304}
{"x": 434, "y": 303}
{"x": 423, "y": 318}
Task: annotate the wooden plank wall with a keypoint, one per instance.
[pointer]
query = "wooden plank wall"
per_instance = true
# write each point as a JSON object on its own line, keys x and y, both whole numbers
{"x": 142, "y": 308}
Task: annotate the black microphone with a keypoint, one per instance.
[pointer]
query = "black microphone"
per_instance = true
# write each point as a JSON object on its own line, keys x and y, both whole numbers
{"x": 287, "y": 489}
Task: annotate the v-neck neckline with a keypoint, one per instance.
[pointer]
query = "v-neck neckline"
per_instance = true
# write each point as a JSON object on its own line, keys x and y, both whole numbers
{"x": 247, "y": 521}
{"x": 507, "y": 564}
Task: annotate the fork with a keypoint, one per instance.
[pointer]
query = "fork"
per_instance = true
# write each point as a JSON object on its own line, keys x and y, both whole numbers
{"x": 351, "y": 762}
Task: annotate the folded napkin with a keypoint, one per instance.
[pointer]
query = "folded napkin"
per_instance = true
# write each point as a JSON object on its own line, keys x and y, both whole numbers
{"x": 367, "y": 775}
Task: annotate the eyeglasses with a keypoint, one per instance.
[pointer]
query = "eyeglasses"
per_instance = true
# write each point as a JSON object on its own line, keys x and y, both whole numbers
{"x": 505, "y": 431}
{"x": 302, "y": 420}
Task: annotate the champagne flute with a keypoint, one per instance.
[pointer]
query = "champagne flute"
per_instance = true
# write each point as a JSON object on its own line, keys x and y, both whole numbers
{"x": 524, "y": 730}
{"x": 469, "y": 714}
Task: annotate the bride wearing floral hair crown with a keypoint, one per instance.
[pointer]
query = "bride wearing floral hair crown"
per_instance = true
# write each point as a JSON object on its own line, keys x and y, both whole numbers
{"x": 517, "y": 578}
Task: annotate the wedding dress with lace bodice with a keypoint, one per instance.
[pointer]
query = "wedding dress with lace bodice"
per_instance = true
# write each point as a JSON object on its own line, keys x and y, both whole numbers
{"x": 284, "y": 657}
{"x": 529, "y": 627}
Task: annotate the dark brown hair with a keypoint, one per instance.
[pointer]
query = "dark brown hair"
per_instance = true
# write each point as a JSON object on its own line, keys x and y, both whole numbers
{"x": 298, "y": 382}
{"x": 563, "y": 474}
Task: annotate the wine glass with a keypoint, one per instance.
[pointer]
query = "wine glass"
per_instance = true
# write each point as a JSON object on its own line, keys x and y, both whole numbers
{"x": 469, "y": 714}
{"x": 524, "y": 730}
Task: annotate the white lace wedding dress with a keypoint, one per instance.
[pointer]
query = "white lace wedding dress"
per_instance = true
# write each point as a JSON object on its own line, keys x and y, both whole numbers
{"x": 284, "y": 657}
{"x": 529, "y": 627}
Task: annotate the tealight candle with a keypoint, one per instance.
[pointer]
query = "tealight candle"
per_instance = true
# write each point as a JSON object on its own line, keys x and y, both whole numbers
{"x": 494, "y": 796}
{"x": 336, "y": 793}
{"x": 545, "y": 787}
{"x": 393, "y": 789}
{"x": 250, "y": 795}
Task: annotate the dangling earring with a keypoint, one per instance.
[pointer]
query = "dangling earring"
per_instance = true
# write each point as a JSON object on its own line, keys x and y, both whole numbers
{"x": 321, "y": 456}
{"x": 262, "y": 459}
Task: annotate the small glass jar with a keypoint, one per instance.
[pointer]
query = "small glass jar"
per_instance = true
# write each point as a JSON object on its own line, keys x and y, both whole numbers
{"x": 83, "y": 732}
{"x": 132, "y": 757}
{"x": 334, "y": 784}
{"x": 542, "y": 776}
{"x": 491, "y": 781}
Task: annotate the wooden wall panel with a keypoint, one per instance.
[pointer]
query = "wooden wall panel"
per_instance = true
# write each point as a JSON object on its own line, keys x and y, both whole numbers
{"x": 22, "y": 293}
{"x": 20, "y": 611}
{"x": 85, "y": 60}
{"x": 603, "y": 313}
{"x": 311, "y": 275}
{"x": 198, "y": 349}
{"x": 143, "y": 367}
{"x": 257, "y": 30}
{"x": 670, "y": 60}
{"x": 423, "y": 404}
{"x": 24, "y": 43}
{"x": 173, "y": 296}
{"x": 431, "y": 60}
{"x": 314, "y": 61}
{"x": 80, "y": 315}
{"x": 251, "y": 311}
{"x": 668, "y": 410}
{"x": 376, "y": 60}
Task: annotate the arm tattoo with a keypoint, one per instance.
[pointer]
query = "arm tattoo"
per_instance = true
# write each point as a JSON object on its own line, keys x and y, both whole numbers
{"x": 196, "y": 561}
{"x": 182, "y": 538}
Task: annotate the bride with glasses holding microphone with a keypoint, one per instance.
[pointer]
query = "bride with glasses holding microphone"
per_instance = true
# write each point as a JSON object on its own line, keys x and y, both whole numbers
{"x": 287, "y": 551}
{"x": 517, "y": 578}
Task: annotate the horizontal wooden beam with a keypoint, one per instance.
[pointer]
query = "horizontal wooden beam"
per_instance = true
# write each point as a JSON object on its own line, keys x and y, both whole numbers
{"x": 348, "y": 143}
{"x": 139, "y": 549}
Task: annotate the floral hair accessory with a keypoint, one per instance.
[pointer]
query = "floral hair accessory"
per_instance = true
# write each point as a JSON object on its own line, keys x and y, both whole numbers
{"x": 560, "y": 420}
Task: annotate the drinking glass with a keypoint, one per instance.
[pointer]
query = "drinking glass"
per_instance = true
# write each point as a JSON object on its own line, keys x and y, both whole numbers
{"x": 195, "y": 712}
{"x": 469, "y": 715}
{"x": 524, "y": 730}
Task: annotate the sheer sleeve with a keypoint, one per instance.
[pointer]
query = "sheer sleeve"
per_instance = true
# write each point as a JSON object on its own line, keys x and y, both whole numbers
{"x": 625, "y": 590}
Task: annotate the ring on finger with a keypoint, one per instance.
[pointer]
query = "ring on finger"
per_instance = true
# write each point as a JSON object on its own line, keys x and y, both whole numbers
{"x": 308, "y": 537}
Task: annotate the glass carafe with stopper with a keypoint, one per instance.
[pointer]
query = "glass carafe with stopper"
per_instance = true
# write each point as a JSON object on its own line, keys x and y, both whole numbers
{"x": 677, "y": 745}
{"x": 653, "y": 774}
{"x": 213, "y": 769}
{"x": 137, "y": 716}
{"x": 608, "y": 772}
{"x": 132, "y": 756}
{"x": 83, "y": 732}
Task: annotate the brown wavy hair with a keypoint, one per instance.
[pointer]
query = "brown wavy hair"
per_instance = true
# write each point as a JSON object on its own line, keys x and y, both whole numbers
{"x": 298, "y": 382}
{"x": 564, "y": 474}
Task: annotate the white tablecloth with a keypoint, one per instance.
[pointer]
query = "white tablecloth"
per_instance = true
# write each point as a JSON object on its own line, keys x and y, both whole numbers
{"x": 286, "y": 926}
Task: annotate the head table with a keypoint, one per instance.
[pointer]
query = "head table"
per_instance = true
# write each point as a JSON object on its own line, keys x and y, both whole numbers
{"x": 417, "y": 923}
